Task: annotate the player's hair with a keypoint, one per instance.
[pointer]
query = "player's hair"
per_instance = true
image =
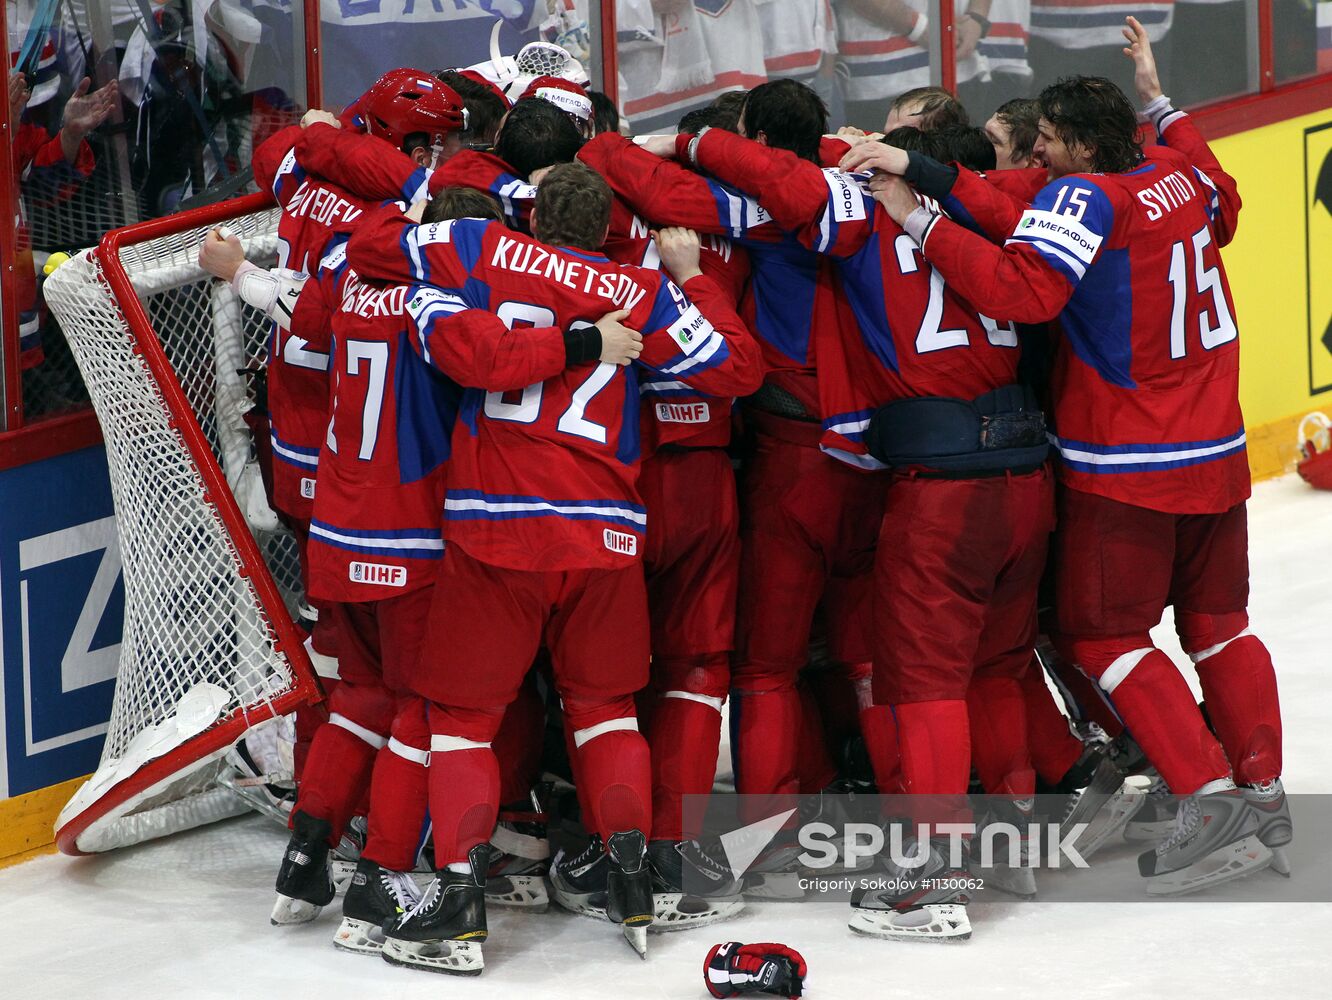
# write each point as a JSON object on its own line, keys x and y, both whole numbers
{"x": 485, "y": 108}
{"x": 729, "y": 105}
{"x": 937, "y": 107}
{"x": 966, "y": 144}
{"x": 1093, "y": 112}
{"x": 789, "y": 114}
{"x": 573, "y": 205}
{"x": 1022, "y": 117}
{"x": 461, "y": 203}
{"x": 605, "y": 115}
{"x": 536, "y": 134}
{"x": 697, "y": 120}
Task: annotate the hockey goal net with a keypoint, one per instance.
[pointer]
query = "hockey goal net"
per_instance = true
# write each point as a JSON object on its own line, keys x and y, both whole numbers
{"x": 209, "y": 647}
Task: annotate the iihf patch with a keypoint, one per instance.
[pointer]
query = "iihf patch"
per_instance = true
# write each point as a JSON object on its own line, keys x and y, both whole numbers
{"x": 307, "y": 488}
{"x": 377, "y": 574}
{"x": 683, "y": 413}
{"x": 620, "y": 541}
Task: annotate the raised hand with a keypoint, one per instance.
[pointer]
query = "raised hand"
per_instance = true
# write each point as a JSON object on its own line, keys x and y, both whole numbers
{"x": 85, "y": 111}
{"x": 18, "y": 96}
{"x": 895, "y": 195}
{"x": 1139, "y": 49}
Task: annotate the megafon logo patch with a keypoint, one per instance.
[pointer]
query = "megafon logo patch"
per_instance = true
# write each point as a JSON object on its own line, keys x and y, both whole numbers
{"x": 378, "y": 574}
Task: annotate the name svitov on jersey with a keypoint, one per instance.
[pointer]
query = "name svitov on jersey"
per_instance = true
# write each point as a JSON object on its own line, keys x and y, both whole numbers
{"x": 1169, "y": 193}
{"x": 528, "y": 258}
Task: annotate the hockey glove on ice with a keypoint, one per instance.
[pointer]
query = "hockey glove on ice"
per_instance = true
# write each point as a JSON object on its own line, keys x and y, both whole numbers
{"x": 734, "y": 968}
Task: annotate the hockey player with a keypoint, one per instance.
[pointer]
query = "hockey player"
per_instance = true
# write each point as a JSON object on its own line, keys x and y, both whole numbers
{"x": 414, "y": 114}
{"x": 806, "y": 521}
{"x": 374, "y": 547}
{"x": 533, "y": 135}
{"x": 904, "y": 394}
{"x": 1151, "y": 441}
{"x": 546, "y": 529}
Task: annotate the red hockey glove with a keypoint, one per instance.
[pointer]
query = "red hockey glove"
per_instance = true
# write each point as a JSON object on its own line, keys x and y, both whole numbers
{"x": 734, "y": 968}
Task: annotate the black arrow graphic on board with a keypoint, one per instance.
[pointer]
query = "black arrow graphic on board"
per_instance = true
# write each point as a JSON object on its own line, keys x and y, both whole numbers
{"x": 1323, "y": 195}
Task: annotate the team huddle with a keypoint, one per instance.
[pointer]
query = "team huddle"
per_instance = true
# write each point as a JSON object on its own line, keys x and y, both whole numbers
{"x": 986, "y": 425}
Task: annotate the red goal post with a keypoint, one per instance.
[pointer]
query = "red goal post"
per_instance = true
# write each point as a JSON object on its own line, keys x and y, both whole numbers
{"x": 209, "y": 647}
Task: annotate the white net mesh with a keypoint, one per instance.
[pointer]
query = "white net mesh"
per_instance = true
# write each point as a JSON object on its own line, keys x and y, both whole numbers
{"x": 199, "y": 649}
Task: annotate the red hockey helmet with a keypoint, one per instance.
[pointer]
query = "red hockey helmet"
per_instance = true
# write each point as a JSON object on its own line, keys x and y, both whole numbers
{"x": 403, "y": 102}
{"x": 1315, "y": 466}
{"x": 566, "y": 95}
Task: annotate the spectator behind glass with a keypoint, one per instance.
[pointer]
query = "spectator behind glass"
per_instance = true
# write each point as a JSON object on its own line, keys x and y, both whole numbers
{"x": 1013, "y": 129}
{"x": 49, "y": 168}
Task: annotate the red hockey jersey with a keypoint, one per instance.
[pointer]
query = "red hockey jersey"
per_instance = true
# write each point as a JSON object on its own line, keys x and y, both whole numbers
{"x": 1146, "y": 381}
{"x": 376, "y": 530}
{"x": 792, "y": 289}
{"x": 314, "y": 213}
{"x": 363, "y": 164}
{"x": 544, "y": 478}
{"x": 674, "y": 412}
{"x": 914, "y": 336}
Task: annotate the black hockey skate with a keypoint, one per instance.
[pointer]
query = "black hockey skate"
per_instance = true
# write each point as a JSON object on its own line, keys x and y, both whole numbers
{"x": 1154, "y": 821}
{"x": 927, "y": 902}
{"x": 1011, "y": 866}
{"x": 375, "y": 897}
{"x": 578, "y": 881}
{"x": 1215, "y": 840}
{"x": 629, "y": 887}
{"x": 443, "y": 933}
{"x": 304, "y": 883}
{"x": 689, "y": 887}
{"x": 1095, "y": 793}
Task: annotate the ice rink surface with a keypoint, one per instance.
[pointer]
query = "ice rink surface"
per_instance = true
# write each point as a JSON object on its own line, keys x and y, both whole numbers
{"x": 188, "y": 917}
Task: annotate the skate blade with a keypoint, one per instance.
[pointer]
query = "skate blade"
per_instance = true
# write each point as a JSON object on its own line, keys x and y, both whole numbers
{"x": 452, "y": 958}
{"x": 1244, "y": 857}
{"x": 1148, "y": 833}
{"x": 359, "y": 936}
{"x": 293, "y": 911}
{"x": 935, "y": 922}
{"x": 525, "y": 892}
{"x": 637, "y": 938}
{"x": 1280, "y": 861}
{"x": 776, "y": 886}
{"x": 1113, "y": 817}
{"x": 1019, "y": 882}
{"x": 677, "y": 911}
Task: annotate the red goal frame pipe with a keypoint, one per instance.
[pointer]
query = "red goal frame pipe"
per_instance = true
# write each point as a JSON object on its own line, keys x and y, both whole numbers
{"x": 305, "y": 688}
